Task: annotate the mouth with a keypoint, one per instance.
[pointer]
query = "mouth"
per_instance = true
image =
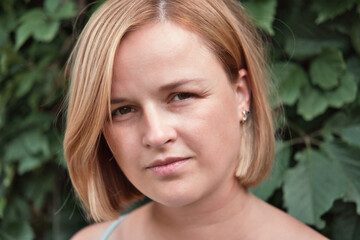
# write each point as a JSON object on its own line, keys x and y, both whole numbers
{"x": 167, "y": 166}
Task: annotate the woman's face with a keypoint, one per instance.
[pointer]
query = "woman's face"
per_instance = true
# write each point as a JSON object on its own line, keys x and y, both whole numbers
{"x": 175, "y": 129}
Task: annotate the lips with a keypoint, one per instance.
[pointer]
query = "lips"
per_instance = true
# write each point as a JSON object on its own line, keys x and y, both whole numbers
{"x": 167, "y": 166}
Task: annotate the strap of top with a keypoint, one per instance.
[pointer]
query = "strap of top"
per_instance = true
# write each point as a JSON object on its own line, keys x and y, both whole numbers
{"x": 111, "y": 228}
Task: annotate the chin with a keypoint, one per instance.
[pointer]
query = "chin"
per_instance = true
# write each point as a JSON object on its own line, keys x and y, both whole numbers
{"x": 174, "y": 198}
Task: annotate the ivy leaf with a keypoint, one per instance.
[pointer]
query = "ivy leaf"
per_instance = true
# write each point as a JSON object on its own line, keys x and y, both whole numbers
{"x": 24, "y": 32}
{"x": 351, "y": 135}
{"x": 30, "y": 149}
{"x": 51, "y": 6}
{"x": 353, "y": 64}
{"x": 19, "y": 230}
{"x": 68, "y": 10}
{"x": 326, "y": 69}
{"x": 267, "y": 187}
{"x": 345, "y": 93}
{"x": 355, "y": 36}
{"x": 307, "y": 40}
{"x": 263, "y": 13}
{"x": 26, "y": 82}
{"x": 29, "y": 23}
{"x": 37, "y": 189}
{"x": 309, "y": 191}
{"x": 347, "y": 127}
{"x": 330, "y": 9}
{"x": 291, "y": 79}
{"x": 36, "y": 14}
{"x": 347, "y": 161}
{"x": 29, "y": 163}
{"x": 3, "y": 37}
{"x": 46, "y": 31}
{"x": 16, "y": 210}
{"x": 35, "y": 23}
{"x": 311, "y": 104}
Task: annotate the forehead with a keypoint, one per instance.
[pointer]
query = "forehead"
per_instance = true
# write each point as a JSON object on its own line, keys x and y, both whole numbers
{"x": 162, "y": 51}
{"x": 156, "y": 39}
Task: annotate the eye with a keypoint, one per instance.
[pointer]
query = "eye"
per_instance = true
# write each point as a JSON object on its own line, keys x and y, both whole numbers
{"x": 182, "y": 96}
{"x": 123, "y": 110}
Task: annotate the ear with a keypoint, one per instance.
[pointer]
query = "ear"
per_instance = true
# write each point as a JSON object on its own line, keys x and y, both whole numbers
{"x": 242, "y": 91}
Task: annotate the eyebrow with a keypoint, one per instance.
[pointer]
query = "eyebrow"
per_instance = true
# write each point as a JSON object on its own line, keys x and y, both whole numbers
{"x": 166, "y": 87}
{"x": 178, "y": 83}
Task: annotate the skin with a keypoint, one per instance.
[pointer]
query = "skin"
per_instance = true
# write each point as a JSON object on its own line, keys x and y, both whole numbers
{"x": 172, "y": 98}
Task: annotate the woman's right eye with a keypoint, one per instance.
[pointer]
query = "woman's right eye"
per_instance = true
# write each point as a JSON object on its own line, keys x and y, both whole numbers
{"x": 123, "y": 110}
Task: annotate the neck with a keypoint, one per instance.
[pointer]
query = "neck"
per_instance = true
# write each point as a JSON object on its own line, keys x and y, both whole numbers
{"x": 216, "y": 212}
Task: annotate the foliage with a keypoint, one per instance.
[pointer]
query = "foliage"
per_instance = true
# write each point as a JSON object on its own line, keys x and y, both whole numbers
{"x": 315, "y": 64}
{"x": 35, "y": 194}
{"x": 315, "y": 56}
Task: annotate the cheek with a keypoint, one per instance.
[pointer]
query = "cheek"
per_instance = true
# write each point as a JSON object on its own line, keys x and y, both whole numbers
{"x": 115, "y": 140}
{"x": 212, "y": 125}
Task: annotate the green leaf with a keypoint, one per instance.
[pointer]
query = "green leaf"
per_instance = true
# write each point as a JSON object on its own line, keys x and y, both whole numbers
{"x": 20, "y": 230}
{"x": 355, "y": 36}
{"x": 353, "y": 64}
{"x": 351, "y": 135}
{"x": 38, "y": 188}
{"x": 267, "y": 187}
{"x": 330, "y": 9}
{"x": 263, "y": 13}
{"x": 2, "y": 206}
{"x": 33, "y": 15}
{"x": 3, "y": 37}
{"x": 347, "y": 127}
{"x": 35, "y": 23}
{"x": 68, "y": 10}
{"x": 345, "y": 93}
{"x": 348, "y": 164}
{"x": 16, "y": 210}
{"x": 326, "y": 69}
{"x": 307, "y": 40}
{"x": 46, "y": 31}
{"x": 29, "y": 163}
{"x": 29, "y": 149}
{"x": 291, "y": 79}
{"x": 51, "y": 6}
{"x": 8, "y": 175}
{"x": 311, "y": 104}
{"x": 309, "y": 190}
{"x": 26, "y": 82}
{"x": 23, "y": 33}
{"x": 5, "y": 236}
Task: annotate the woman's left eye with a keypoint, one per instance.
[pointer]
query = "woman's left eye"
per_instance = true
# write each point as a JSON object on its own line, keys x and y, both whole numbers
{"x": 182, "y": 96}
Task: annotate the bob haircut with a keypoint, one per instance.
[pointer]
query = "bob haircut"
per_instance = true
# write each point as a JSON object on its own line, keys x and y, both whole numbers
{"x": 225, "y": 28}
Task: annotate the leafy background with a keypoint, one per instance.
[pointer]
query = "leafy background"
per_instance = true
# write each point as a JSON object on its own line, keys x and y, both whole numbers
{"x": 315, "y": 61}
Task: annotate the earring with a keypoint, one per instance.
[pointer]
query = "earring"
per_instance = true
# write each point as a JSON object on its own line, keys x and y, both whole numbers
{"x": 246, "y": 114}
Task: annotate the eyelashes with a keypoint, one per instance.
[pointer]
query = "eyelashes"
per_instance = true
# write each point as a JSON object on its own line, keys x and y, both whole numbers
{"x": 176, "y": 98}
{"x": 123, "y": 110}
{"x": 182, "y": 96}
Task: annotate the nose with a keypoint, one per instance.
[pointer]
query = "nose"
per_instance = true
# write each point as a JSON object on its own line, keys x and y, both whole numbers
{"x": 159, "y": 129}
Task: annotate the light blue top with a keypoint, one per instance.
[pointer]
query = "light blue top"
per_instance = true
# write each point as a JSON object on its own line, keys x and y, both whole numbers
{"x": 112, "y": 227}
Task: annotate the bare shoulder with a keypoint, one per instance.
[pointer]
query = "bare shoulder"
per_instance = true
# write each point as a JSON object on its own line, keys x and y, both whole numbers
{"x": 291, "y": 228}
{"x": 283, "y": 226}
{"x": 93, "y": 231}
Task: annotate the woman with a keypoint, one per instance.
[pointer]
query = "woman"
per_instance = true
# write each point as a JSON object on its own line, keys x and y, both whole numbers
{"x": 168, "y": 100}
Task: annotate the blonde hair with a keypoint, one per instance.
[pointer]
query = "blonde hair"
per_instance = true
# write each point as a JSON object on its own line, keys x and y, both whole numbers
{"x": 227, "y": 31}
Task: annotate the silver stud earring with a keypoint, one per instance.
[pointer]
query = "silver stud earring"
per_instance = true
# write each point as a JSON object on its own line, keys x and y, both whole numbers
{"x": 246, "y": 114}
